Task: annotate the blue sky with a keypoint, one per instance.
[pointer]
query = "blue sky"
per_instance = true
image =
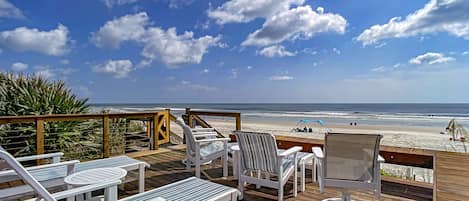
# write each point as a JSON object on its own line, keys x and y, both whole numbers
{"x": 150, "y": 51}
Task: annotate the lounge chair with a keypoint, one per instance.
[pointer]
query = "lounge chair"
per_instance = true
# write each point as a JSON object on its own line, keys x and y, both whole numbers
{"x": 203, "y": 147}
{"x": 259, "y": 154}
{"x": 191, "y": 189}
{"x": 52, "y": 175}
{"x": 350, "y": 161}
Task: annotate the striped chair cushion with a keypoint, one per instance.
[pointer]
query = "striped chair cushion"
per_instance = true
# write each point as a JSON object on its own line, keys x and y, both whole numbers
{"x": 258, "y": 151}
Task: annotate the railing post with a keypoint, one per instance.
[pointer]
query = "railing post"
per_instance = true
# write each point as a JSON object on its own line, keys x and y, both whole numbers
{"x": 189, "y": 117}
{"x": 39, "y": 136}
{"x": 106, "y": 138}
{"x": 168, "y": 123}
{"x": 156, "y": 131}
{"x": 238, "y": 122}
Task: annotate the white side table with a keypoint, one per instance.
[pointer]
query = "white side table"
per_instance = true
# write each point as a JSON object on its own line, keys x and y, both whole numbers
{"x": 95, "y": 176}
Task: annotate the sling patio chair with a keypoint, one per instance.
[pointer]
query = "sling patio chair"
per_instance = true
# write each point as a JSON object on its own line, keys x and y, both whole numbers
{"x": 203, "y": 147}
{"x": 349, "y": 162}
{"x": 191, "y": 189}
{"x": 52, "y": 175}
{"x": 259, "y": 154}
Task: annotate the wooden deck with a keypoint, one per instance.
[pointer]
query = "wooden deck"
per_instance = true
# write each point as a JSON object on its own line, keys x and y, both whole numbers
{"x": 166, "y": 167}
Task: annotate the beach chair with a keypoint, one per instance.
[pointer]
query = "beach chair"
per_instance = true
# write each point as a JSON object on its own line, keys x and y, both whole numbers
{"x": 52, "y": 175}
{"x": 259, "y": 154}
{"x": 191, "y": 189}
{"x": 203, "y": 147}
{"x": 350, "y": 161}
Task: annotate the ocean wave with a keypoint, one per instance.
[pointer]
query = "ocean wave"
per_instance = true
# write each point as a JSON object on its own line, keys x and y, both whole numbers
{"x": 354, "y": 115}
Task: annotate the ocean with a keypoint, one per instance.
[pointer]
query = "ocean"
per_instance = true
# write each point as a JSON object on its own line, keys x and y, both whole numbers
{"x": 411, "y": 114}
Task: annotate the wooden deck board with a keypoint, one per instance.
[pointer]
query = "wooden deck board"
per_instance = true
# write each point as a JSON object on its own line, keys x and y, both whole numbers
{"x": 166, "y": 167}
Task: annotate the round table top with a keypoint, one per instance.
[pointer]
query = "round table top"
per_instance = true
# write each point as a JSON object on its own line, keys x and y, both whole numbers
{"x": 94, "y": 176}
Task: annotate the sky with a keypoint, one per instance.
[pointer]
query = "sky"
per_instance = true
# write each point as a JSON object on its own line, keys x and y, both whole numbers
{"x": 243, "y": 51}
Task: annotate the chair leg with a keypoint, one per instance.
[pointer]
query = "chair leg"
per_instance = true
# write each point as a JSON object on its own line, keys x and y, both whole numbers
{"x": 346, "y": 196}
{"x": 141, "y": 178}
{"x": 280, "y": 191}
{"x": 225, "y": 165}
{"x": 302, "y": 175}
{"x": 258, "y": 172}
{"x": 295, "y": 182}
{"x": 240, "y": 186}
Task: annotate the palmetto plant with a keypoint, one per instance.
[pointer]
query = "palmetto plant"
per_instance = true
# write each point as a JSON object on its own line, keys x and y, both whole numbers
{"x": 34, "y": 95}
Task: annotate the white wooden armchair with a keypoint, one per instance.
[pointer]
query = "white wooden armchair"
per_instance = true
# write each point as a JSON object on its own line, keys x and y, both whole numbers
{"x": 349, "y": 161}
{"x": 203, "y": 147}
{"x": 259, "y": 154}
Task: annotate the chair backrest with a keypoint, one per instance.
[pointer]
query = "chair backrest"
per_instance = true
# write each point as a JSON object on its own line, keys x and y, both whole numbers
{"x": 25, "y": 176}
{"x": 190, "y": 141}
{"x": 258, "y": 151}
{"x": 351, "y": 156}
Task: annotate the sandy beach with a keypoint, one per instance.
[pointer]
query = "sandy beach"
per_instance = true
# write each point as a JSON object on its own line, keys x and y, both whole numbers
{"x": 401, "y": 136}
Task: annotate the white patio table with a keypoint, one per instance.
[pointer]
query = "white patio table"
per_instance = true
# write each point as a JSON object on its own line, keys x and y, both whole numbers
{"x": 95, "y": 176}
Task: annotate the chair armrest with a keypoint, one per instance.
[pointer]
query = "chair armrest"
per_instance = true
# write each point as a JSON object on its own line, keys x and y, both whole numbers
{"x": 290, "y": 151}
{"x": 40, "y": 156}
{"x": 202, "y": 133}
{"x": 317, "y": 151}
{"x": 52, "y": 165}
{"x": 380, "y": 159}
{"x": 205, "y": 135}
{"x": 84, "y": 189}
{"x": 213, "y": 140}
{"x": 202, "y": 129}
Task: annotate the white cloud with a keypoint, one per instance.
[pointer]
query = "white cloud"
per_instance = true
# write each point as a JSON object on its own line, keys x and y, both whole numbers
{"x": 234, "y": 73}
{"x": 436, "y": 16}
{"x": 430, "y": 58}
{"x": 249, "y": 67}
{"x": 65, "y": 61}
{"x": 241, "y": 11}
{"x": 117, "y": 68}
{"x": 125, "y": 28}
{"x": 379, "y": 69}
{"x": 309, "y": 51}
{"x": 205, "y": 70}
{"x": 280, "y": 78}
{"x": 111, "y": 3}
{"x": 297, "y": 23}
{"x": 53, "y": 42}
{"x": 174, "y": 50}
{"x": 158, "y": 44}
{"x": 465, "y": 53}
{"x": 49, "y": 72}
{"x": 19, "y": 66}
{"x": 8, "y": 10}
{"x": 397, "y": 65}
{"x": 275, "y": 51}
{"x": 187, "y": 85}
{"x": 179, "y": 3}
{"x": 337, "y": 51}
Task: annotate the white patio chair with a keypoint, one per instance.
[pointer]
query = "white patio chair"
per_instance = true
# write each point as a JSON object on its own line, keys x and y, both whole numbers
{"x": 203, "y": 146}
{"x": 9, "y": 161}
{"x": 350, "y": 161}
{"x": 259, "y": 154}
{"x": 191, "y": 189}
{"x": 52, "y": 175}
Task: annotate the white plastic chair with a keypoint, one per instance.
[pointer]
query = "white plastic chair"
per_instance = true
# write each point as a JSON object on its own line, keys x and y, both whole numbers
{"x": 350, "y": 161}
{"x": 52, "y": 175}
{"x": 110, "y": 188}
{"x": 203, "y": 147}
{"x": 259, "y": 154}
